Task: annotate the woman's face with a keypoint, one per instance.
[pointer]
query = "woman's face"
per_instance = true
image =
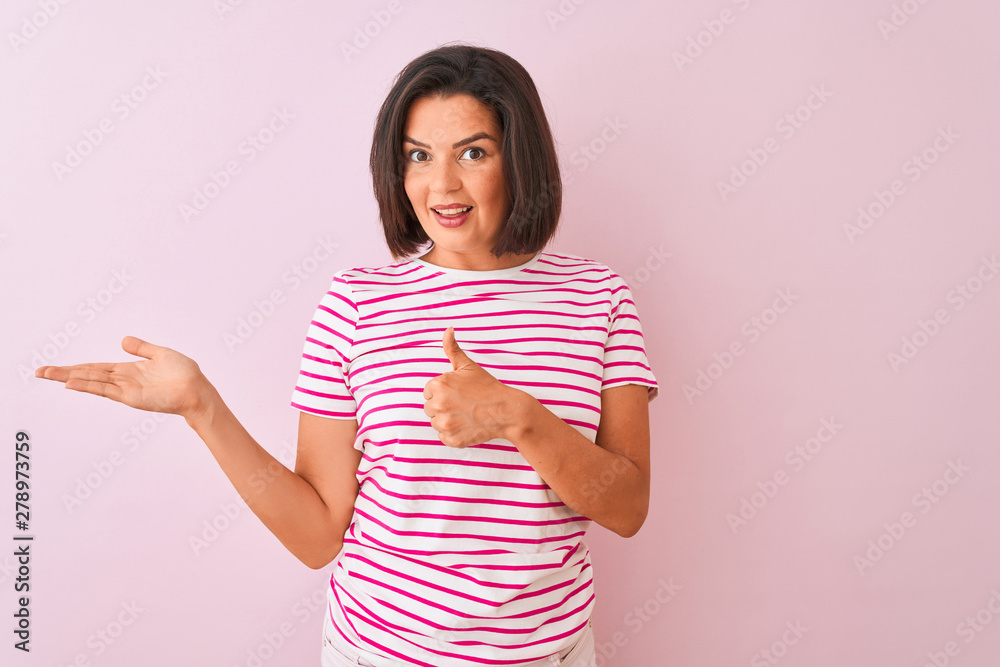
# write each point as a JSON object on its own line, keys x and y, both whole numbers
{"x": 454, "y": 180}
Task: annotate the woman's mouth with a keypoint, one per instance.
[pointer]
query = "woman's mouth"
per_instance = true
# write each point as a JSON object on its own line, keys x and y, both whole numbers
{"x": 451, "y": 215}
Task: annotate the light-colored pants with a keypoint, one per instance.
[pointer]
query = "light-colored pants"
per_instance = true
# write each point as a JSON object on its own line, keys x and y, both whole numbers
{"x": 338, "y": 653}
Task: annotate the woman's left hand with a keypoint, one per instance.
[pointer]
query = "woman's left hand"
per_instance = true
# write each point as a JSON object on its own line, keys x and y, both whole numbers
{"x": 467, "y": 405}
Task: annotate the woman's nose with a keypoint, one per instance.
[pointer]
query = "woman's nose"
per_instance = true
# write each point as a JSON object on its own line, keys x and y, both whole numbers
{"x": 445, "y": 178}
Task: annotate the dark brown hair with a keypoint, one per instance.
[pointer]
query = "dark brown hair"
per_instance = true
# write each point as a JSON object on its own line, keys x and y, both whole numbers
{"x": 530, "y": 164}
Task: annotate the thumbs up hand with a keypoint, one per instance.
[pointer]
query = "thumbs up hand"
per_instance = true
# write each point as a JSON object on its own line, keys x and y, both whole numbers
{"x": 458, "y": 358}
{"x": 467, "y": 405}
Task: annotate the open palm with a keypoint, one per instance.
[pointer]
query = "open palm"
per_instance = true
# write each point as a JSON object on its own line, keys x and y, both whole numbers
{"x": 167, "y": 381}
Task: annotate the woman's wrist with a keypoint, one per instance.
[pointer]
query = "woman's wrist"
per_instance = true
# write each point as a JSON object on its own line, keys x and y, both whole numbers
{"x": 205, "y": 407}
{"x": 518, "y": 407}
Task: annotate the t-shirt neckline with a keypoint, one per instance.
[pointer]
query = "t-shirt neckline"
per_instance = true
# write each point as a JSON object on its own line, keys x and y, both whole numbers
{"x": 464, "y": 273}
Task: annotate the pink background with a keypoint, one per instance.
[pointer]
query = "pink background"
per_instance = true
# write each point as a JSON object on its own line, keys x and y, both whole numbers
{"x": 645, "y": 139}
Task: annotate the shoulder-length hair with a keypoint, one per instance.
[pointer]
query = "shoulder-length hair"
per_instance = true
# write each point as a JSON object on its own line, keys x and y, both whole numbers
{"x": 530, "y": 164}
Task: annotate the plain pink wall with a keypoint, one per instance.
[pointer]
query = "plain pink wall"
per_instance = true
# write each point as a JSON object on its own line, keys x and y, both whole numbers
{"x": 715, "y": 153}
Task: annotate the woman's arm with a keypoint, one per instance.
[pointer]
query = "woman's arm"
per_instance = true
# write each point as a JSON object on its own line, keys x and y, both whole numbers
{"x": 307, "y": 510}
{"x": 607, "y": 481}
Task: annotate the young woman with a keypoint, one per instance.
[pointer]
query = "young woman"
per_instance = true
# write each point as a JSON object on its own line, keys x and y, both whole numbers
{"x": 464, "y": 414}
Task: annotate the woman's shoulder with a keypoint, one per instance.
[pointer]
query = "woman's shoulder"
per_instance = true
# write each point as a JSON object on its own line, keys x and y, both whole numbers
{"x": 569, "y": 259}
{"x": 579, "y": 265}
{"x": 385, "y": 273}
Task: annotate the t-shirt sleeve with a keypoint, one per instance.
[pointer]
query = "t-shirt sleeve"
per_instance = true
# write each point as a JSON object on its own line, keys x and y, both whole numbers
{"x": 323, "y": 387}
{"x": 625, "y": 359}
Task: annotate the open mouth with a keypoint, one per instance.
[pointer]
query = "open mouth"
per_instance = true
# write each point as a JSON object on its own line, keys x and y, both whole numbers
{"x": 452, "y": 212}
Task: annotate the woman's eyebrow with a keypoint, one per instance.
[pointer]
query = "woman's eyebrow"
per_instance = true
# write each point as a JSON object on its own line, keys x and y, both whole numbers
{"x": 475, "y": 137}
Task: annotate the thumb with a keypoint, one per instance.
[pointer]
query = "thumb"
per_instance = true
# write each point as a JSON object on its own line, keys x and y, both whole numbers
{"x": 456, "y": 356}
{"x": 139, "y": 347}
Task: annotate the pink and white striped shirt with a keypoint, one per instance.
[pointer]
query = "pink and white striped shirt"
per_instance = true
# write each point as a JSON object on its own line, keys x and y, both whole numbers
{"x": 464, "y": 556}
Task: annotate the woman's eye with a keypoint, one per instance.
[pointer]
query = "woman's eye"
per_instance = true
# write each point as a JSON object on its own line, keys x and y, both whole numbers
{"x": 418, "y": 156}
{"x": 476, "y": 153}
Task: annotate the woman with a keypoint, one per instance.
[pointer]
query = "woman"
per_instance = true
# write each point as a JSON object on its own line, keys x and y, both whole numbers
{"x": 451, "y": 482}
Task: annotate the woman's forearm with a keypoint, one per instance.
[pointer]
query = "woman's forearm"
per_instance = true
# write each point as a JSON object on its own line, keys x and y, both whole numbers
{"x": 285, "y": 502}
{"x": 602, "y": 485}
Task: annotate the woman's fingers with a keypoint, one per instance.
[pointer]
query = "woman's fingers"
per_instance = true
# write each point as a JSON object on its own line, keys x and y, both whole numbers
{"x": 91, "y": 374}
{"x": 131, "y": 344}
{"x": 97, "y": 387}
{"x": 90, "y": 378}
{"x": 62, "y": 373}
{"x": 97, "y": 379}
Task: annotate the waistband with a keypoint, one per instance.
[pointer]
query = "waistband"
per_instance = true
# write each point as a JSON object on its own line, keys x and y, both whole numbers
{"x": 333, "y": 641}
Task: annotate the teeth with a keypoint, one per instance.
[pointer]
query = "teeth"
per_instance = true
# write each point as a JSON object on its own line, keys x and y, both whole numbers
{"x": 452, "y": 211}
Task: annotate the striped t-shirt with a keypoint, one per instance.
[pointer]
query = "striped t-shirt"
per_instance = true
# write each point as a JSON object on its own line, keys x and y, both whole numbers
{"x": 464, "y": 556}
